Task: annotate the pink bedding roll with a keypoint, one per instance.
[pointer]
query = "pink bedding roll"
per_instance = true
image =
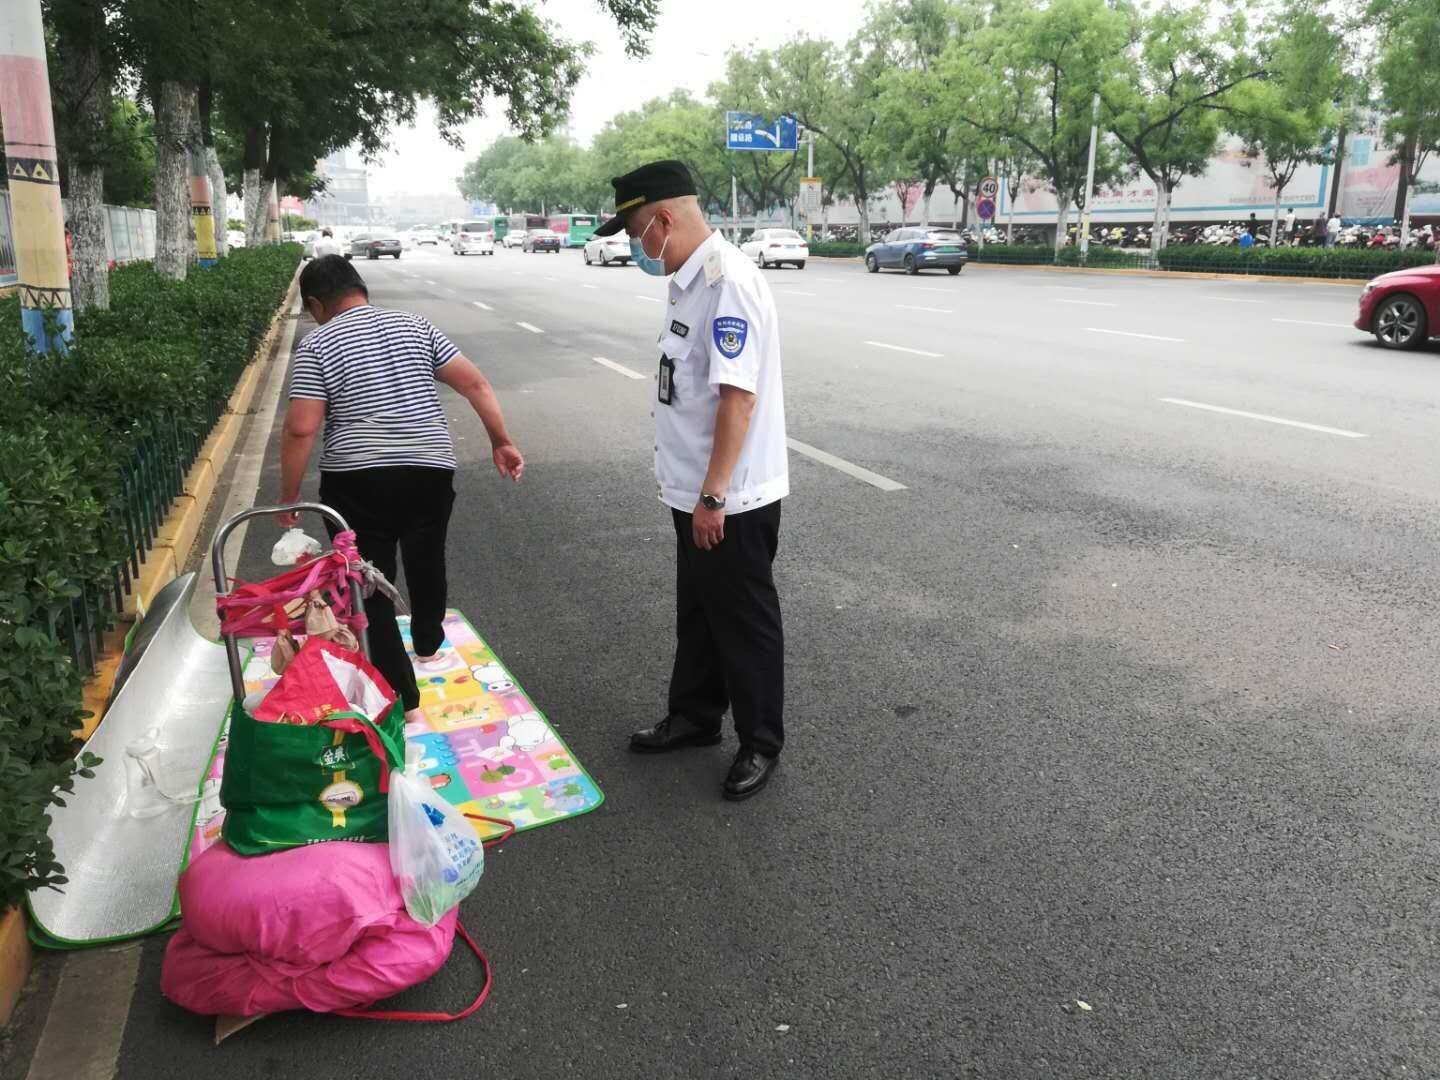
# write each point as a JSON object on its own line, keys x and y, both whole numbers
{"x": 321, "y": 928}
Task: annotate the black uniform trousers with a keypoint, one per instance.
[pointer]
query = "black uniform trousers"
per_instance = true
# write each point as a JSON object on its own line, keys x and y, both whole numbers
{"x": 406, "y": 506}
{"x": 730, "y": 645}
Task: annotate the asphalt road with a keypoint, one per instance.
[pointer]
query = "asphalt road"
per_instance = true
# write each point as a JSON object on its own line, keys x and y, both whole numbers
{"x": 1120, "y": 700}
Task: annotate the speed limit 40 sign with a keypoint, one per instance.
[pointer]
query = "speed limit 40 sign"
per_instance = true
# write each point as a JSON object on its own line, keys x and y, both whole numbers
{"x": 989, "y": 187}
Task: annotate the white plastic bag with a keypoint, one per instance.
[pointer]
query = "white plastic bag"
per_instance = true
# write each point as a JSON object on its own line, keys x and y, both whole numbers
{"x": 435, "y": 853}
{"x": 292, "y": 547}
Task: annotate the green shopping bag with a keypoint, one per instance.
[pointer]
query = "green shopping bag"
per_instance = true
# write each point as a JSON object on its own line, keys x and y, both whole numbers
{"x": 286, "y": 785}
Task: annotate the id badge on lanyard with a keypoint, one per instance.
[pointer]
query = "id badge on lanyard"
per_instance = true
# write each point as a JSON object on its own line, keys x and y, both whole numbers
{"x": 667, "y": 380}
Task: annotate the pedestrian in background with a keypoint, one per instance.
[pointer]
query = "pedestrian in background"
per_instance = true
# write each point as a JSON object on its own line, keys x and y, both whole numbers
{"x": 722, "y": 466}
{"x": 326, "y": 244}
{"x": 1253, "y": 226}
{"x": 1332, "y": 231}
{"x": 1290, "y": 227}
{"x": 388, "y": 463}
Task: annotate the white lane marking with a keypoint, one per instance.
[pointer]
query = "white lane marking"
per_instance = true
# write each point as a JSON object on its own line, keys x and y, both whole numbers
{"x": 1090, "y": 303}
{"x": 930, "y": 288}
{"x": 482, "y": 306}
{"x": 1128, "y": 333}
{"x": 629, "y": 373}
{"x": 649, "y": 299}
{"x": 1232, "y": 299}
{"x": 1069, "y": 288}
{"x": 1268, "y": 419}
{"x": 589, "y": 286}
{"x": 902, "y": 348}
{"x": 429, "y": 282}
{"x": 1312, "y": 322}
{"x": 532, "y": 329}
{"x": 793, "y": 292}
{"x": 884, "y": 483}
{"x": 917, "y": 307}
{"x": 552, "y": 279}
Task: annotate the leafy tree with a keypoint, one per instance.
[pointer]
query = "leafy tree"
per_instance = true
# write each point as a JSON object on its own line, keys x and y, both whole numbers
{"x": 1292, "y": 115}
{"x": 917, "y": 101}
{"x": 835, "y": 92}
{"x": 1409, "y": 82}
{"x": 676, "y": 127}
{"x": 1030, "y": 79}
{"x": 1163, "y": 105}
{"x": 764, "y": 179}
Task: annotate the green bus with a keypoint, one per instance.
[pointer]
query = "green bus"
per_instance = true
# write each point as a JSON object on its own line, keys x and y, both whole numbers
{"x": 574, "y": 229}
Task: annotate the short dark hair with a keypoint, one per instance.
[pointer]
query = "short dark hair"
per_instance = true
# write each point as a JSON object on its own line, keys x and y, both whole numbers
{"x": 330, "y": 277}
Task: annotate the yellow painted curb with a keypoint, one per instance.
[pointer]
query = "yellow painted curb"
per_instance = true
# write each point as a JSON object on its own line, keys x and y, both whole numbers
{"x": 14, "y": 961}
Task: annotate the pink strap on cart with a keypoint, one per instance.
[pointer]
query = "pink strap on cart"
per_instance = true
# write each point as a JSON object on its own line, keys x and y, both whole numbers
{"x": 258, "y": 609}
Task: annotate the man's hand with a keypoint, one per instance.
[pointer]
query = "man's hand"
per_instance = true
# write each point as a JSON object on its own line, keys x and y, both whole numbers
{"x": 508, "y": 461}
{"x": 708, "y": 527}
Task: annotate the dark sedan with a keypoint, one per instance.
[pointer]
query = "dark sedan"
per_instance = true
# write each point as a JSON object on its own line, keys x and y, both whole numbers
{"x": 372, "y": 247}
{"x": 916, "y": 249}
{"x": 541, "y": 240}
{"x": 1402, "y": 308}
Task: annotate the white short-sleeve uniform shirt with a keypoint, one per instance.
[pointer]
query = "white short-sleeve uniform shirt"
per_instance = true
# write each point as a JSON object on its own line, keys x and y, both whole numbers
{"x": 720, "y": 328}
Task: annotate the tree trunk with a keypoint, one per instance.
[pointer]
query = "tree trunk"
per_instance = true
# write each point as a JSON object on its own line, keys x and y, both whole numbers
{"x": 925, "y": 203}
{"x": 172, "y": 179}
{"x": 1339, "y": 168}
{"x": 862, "y": 208}
{"x": 272, "y": 212}
{"x": 1062, "y": 219}
{"x": 221, "y": 202}
{"x": 1402, "y": 197}
{"x": 1165, "y": 225}
{"x": 255, "y": 198}
{"x": 89, "y": 221}
{"x": 1275, "y": 215}
{"x": 1156, "y": 228}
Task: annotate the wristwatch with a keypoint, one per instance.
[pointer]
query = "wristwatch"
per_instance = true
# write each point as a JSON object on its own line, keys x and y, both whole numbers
{"x": 712, "y": 502}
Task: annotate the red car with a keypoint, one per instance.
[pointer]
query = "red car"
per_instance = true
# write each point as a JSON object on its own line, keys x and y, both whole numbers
{"x": 1402, "y": 308}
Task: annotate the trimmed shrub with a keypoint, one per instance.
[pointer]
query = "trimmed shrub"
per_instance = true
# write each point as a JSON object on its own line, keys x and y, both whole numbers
{"x": 837, "y": 248}
{"x": 154, "y": 371}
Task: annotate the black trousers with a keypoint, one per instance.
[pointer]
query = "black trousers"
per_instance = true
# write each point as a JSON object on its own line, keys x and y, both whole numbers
{"x": 406, "y": 506}
{"x": 730, "y": 645}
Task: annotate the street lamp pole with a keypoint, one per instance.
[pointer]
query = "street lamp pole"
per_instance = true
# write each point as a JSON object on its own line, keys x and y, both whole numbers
{"x": 1090, "y": 177}
{"x": 37, "y": 218}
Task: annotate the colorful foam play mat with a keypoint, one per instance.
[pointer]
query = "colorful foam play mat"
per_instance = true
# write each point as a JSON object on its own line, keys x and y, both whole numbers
{"x": 488, "y": 749}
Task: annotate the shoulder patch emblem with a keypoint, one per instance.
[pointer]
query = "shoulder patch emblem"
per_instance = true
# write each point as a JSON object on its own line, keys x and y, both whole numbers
{"x": 730, "y": 334}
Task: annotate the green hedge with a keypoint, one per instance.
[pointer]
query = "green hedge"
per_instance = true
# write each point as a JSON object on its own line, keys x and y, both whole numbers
{"x": 1320, "y": 262}
{"x": 1213, "y": 258}
{"x": 837, "y": 248}
{"x": 153, "y": 371}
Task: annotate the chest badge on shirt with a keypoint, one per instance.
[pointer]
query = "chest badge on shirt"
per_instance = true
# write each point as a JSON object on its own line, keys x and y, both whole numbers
{"x": 730, "y": 334}
{"x": 679, "y": 328}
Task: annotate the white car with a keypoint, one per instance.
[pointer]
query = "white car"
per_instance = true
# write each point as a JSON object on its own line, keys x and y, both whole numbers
{"x": 473, "y": 237}
{"x": 607, "y": 250}
{"x": 776, "y": 247}
{"x": 514, "y": 238}
{"x": 425, "y": 236}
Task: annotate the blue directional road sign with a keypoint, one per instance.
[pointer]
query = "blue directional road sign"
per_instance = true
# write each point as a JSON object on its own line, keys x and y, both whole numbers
{"x": 751, "y": 131}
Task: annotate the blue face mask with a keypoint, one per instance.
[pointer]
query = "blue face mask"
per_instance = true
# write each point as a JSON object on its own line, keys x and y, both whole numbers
{"x": 654, "y": 267}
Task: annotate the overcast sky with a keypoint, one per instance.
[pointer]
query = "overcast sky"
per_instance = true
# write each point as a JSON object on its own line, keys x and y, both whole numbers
{"x": 687, "y": 49}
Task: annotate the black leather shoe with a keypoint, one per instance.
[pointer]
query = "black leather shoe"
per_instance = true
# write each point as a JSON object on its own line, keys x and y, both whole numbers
{"x": 673, "y": 733}
{"x": 750, "y": 773}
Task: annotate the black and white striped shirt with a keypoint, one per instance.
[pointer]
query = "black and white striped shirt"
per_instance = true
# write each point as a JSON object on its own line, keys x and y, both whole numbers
{"x": 375, "y": 371}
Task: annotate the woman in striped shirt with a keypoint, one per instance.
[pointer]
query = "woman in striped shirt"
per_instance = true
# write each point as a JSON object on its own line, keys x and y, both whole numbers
{"x": 387, "y": 464}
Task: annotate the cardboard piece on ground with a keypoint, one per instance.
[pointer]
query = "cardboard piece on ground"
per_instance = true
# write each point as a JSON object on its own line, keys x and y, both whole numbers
{"x": 227, "y": 1025}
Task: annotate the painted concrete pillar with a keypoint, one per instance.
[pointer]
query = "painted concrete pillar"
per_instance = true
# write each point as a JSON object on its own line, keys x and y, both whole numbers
{"x": 272, "y": 220}
{"x": 34, "y": 175}
{"x": 202, "y": 215}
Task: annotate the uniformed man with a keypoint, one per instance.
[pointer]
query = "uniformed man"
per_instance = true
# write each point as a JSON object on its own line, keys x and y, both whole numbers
{"x": 720, "y": 459}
